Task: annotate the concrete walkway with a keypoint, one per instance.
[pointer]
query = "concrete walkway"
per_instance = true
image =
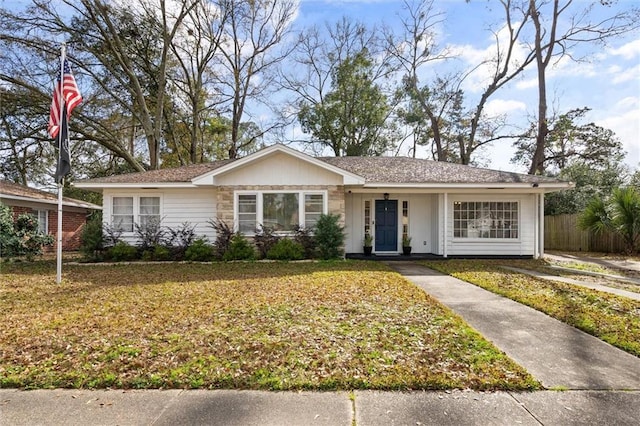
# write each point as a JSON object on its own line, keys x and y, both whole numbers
{"x": 620, "y": 264}
{"x": 558, "y": 355}
{"x": 593, "y": 286}
{"x": 362, "y": 408}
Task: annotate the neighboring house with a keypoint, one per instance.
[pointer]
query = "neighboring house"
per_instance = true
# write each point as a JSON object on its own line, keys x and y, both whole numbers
{"x": 447, "y": 209}
{"x": 44, "y": 206}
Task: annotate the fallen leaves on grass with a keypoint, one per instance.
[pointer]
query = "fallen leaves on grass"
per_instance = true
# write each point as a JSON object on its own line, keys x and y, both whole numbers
{"x": 341, "y": 325}
{"x": 614, "y": 319}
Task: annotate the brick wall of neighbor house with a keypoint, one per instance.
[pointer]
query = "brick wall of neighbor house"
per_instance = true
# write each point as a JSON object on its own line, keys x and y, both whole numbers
{"x": 18, "y": 210}
{"x": 336, "y": 201}
{"x": 72, "y": 224}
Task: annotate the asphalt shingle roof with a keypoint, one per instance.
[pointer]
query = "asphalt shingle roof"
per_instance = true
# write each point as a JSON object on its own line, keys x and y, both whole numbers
{"x": 177, "y": 174}
{"x": 373, "y": 169}
{"x": 16, "y": 190}
{"x": 416, "y": 170}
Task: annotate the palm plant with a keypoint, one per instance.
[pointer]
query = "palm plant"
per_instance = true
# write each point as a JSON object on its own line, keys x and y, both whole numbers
{"x": 619, "y": 214}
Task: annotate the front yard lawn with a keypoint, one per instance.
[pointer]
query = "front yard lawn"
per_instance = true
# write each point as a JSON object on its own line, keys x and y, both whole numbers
{"x": 614, "y": 319}
{"x": 336, "y": 325}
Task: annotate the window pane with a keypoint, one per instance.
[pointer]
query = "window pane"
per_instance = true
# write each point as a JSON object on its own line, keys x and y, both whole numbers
{"x": 42, "y": 221}
{"x": 149, "y": 211}
{"x": 313, "y": 208}
{"x": 149, "y": 205}
{"x": 280, "y": 211}
{"x": 247, "y": 210}
{"x": 367, "y": 217}
{"x": 122, "y": 214}
{"x": 485, "y": 219}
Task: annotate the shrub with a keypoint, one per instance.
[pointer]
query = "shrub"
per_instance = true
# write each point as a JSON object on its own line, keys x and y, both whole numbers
{"x": 239, "y": 249}
{"x": 21, "y": 238}
{"x": 149, "y": 235}
{"x": 224, "y": 234}
{"x": 160, "y": 253}
{"x": 265, "y": 239}
{"x": 329, "y": 236}
{"x": 111, "y": 235}
{"x": 92, "y": 238}
{"x": 286, "y": 249}
{"x": 180, "y": 239}
{"x": 123, "y": 252}
{"x": 304, "y": 237}
{"x": 199, "y": 251}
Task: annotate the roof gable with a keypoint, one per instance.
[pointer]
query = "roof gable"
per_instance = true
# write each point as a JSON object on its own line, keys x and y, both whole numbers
{"x": 209, "y": 178}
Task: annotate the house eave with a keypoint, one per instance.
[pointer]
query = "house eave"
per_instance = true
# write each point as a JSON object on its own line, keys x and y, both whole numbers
{"x": 147, "y": 185}
{"x": 65, "y": 203}
{"x": 538, "y": 187}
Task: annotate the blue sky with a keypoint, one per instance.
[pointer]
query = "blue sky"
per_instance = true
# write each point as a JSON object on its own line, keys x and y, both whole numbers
{"x": 608, "y": 81}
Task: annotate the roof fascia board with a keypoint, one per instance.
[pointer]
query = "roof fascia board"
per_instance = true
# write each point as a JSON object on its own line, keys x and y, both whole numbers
{"x": 209, "y": 177}
{"x": 145, "y": 185}
{"x": 54, "y": 202}
{"x": 493, "y": 185}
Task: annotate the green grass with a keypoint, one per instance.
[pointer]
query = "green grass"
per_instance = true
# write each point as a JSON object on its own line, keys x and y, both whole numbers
{"x": 614, "y": 319}
{"x": 280, "y": 326}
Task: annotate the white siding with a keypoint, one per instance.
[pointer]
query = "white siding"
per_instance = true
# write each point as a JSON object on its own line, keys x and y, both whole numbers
{"x": 524, "y": 245}
{"x": 354, "y": 222}
{"x": 421, "y": 218}
{"x": 193, "y": 205}
{"x": 279, "y": 169}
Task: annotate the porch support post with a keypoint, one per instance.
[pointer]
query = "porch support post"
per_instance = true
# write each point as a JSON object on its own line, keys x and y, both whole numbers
{"x": 445, "y": 224}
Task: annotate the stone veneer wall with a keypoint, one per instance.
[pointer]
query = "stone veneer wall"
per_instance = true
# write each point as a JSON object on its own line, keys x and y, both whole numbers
{"x": 335, "y": 194}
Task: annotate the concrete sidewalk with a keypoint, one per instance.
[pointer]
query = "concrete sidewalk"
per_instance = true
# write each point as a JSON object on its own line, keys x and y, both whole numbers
{"x": 362, "y": 408}
{"x": 558, "y": 355}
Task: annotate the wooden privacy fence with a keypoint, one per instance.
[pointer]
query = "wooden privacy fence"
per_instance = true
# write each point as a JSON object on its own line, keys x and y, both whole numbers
{"x": 561, "y": 232}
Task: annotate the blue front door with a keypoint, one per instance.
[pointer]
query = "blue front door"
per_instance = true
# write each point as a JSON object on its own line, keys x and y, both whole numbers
{"x": 386, "y": 225}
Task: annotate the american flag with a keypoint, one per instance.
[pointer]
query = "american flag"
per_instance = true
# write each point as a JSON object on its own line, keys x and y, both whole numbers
{"x": 66, "y": 92}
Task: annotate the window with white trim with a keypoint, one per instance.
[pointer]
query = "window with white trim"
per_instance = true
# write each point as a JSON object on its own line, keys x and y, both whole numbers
{"x": 367, "y": 217}
{"x": 313, "y": 209}
{"x": 122, "y": 214}
{"x": 485, "y": 219}
{"x": 247, "y": 213}
{"x": 405, "y": 219}
{"x": 149, "y": 211}
{"x": 279, "y": 210}
{"x": 128, "y": 210}
{"x": 43, "y": 221}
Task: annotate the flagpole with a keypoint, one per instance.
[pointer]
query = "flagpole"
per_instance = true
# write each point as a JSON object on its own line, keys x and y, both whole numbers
{"x": 60, "y": 183}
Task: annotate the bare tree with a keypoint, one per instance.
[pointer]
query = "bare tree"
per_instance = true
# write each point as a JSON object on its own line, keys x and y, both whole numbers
{"x": 195, "y": 51}
{"x": 552, "y": 43}
{"x": 251, "y": 47}
{"x": 452, "y": 129}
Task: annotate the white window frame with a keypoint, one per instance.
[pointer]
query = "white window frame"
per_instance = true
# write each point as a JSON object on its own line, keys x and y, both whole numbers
{"x": 39, "y": 214}
{"x": 259, "y": 205}
{"x": 480, "y": 238}
{"x": 136, "y": 208}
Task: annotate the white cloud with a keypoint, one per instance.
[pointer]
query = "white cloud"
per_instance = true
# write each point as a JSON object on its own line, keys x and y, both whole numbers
{"x": 485, "y": 59}
{"x": 498, "y": 107}
{"x": 627, "y": 51}
{"x": 624, "y": 120}
{"x": 623, "y": 75}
